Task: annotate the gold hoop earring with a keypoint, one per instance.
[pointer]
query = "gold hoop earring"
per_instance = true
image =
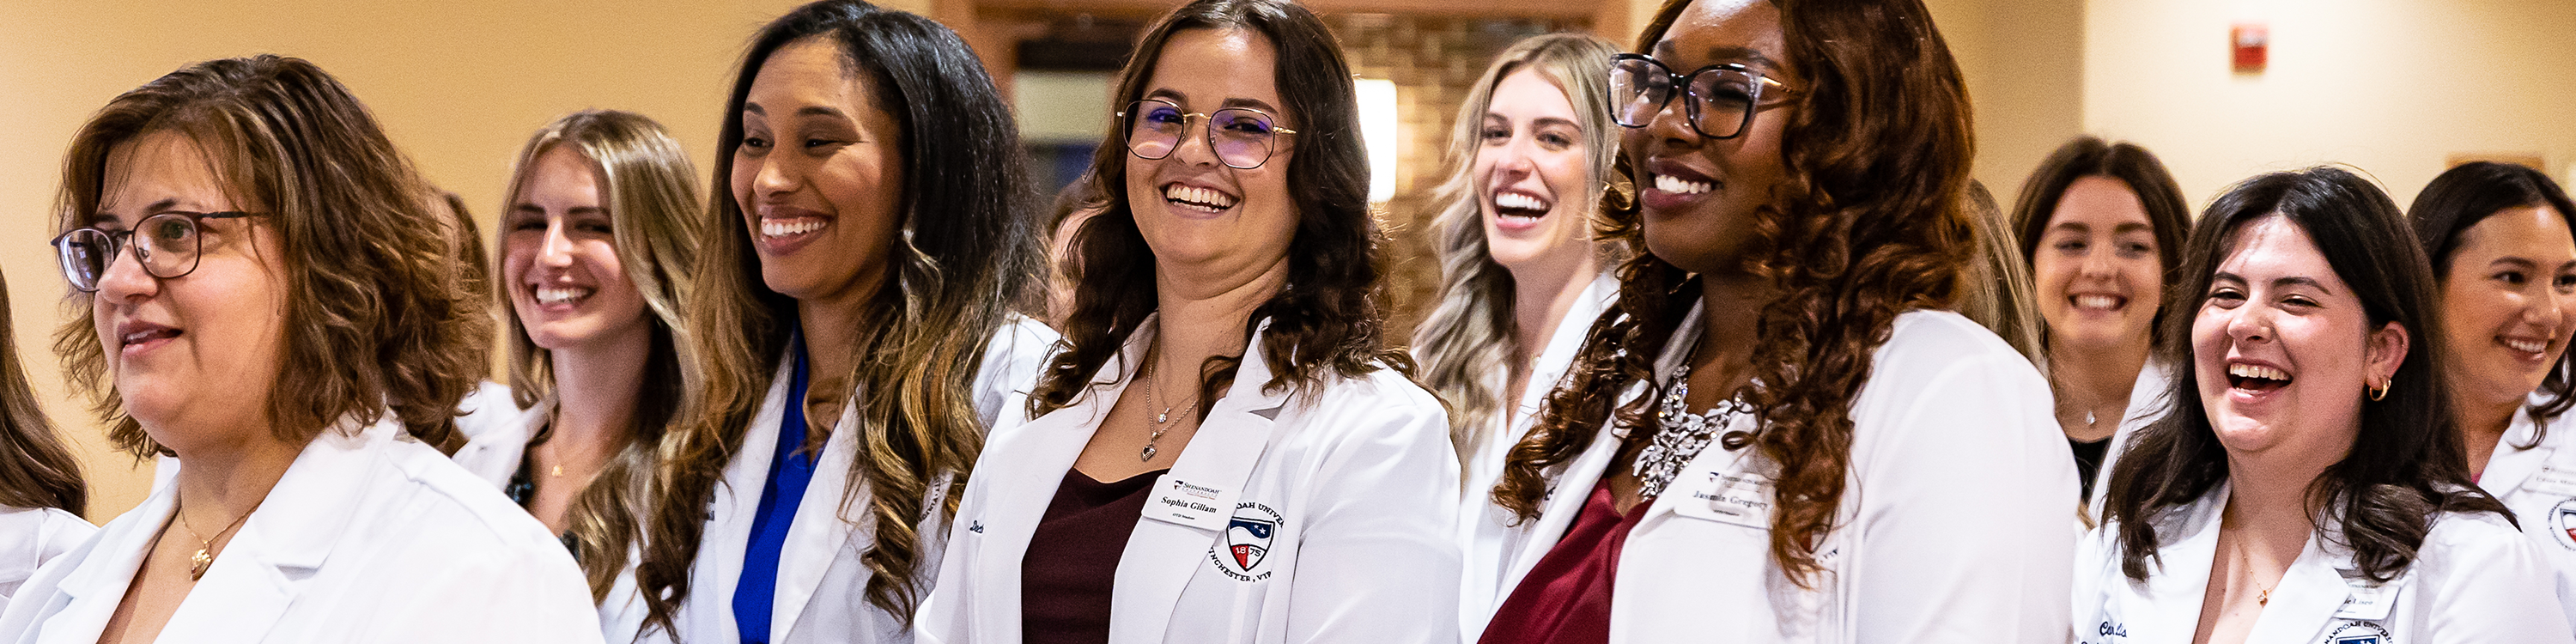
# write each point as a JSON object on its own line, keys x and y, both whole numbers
{"x": 2380, "y": 392}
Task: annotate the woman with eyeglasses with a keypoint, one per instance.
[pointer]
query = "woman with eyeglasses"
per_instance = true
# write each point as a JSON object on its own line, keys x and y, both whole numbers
{"x": 42, "y": 495}
{"x": 855, "y": 322}
{"x": 1778, "y": 433}
{"x": 2505, "y": 260}
{"x": 1225, "y": 451}
{"x": 1521, "y": 277}
{"x": 273, "y": 301}
{"x": 2305, "y": 486}
{"x": 2102, "y": 226}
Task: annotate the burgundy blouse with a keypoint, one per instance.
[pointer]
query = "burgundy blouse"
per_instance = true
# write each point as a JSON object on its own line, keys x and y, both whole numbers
{"x": 1565, "y": 599}
{"x": 1072, "y": 558}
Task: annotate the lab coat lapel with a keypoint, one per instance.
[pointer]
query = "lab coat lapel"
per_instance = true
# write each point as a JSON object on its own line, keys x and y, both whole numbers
{"x": 1574, "y": 486}
{"x": 2178, "y": 576}
{"x": 89, "y": 596}
{"x": 1192, "y": 505}
{"x": 258, "y": 574}
{"x": 2508, "y": 468}
{"x": 1025, "y": 467}
{"x": 729, "y": 514}
{"x": 1558, "y": 358}
{"x": 2309, "y": 594}
{"x": 818, "y": 532}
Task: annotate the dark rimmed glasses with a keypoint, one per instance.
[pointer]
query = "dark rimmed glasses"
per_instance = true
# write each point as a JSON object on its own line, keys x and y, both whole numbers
{"x": 1241, "y": 136}
{"x": 1723, "y": 97}
{"x": 167, "y": 247}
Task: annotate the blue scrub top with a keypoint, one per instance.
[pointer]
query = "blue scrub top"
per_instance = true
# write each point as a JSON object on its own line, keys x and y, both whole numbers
{"x": 790, "y": 469}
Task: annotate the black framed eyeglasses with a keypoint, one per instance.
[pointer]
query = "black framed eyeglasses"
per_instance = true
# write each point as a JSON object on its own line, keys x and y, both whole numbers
{"x": 1723, "y": 97}
{"x": 167, "y": 246}
{"x": 1242, "y": 137}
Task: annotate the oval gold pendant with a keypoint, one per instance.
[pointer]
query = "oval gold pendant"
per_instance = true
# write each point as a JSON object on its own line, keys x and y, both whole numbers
{"x": 203, "y": 560}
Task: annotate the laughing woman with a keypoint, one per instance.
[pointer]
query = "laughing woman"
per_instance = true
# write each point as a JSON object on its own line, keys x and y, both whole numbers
{"x": 2305, "y": 486}
{"x": 272, "y": 300}
{"x": 1521, "y": 276}
{"x": 1225, "y": 452}
{"x": 2499, "y": 239}
{"x": 853, "y": 320}
{"x": 1778, "y": 434}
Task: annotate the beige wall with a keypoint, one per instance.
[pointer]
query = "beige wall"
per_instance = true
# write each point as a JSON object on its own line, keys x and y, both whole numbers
{"x": 459, "y": 85}
{"x": 2391, "y": 86}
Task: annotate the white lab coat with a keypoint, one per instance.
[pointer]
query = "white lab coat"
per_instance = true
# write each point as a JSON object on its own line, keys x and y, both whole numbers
{"x": 1483, "y": 549}
{"x": 1953, "y": 518}
{"x": 2539, "y": 485}
{"x": 2473, "y": 581}
{"x": 1355, "y": 482}
{"x": 29, "y": 537}
{"x": 821, "y": 593}
{"x": 2146, "y": 404}
{"x": 499, "y": 441}
{"x": 369, "y": 537}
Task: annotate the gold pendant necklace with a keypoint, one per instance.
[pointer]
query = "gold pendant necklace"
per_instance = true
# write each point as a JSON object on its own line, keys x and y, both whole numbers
{"x": 205, "y": 556}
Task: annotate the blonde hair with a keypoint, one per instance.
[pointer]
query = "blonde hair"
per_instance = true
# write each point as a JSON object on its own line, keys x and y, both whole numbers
{"x": 1996, "y": 288}
{"x": 648, "y": 188}
{"x": 1467, "y": 342}
{"x": 377, "y": 319}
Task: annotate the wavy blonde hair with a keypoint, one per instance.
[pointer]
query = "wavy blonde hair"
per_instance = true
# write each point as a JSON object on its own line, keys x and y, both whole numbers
{"x": 1467, "y": 342}
{"x": 379, "y": 317}
{"x": 648, "y": 188}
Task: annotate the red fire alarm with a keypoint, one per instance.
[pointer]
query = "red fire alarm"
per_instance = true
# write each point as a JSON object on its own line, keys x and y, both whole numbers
{"x": 2249, "y": 41}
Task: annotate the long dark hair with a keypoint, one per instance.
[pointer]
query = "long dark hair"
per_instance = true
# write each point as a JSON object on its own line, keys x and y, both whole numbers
{"x": 1326, "y": 321}
{"x": 964, "y": 257}
{"x": 2406, "y": 465}
{"x": 36, "y": 471}
{"x": 2466, "y": 195}
{"x": 1869, "y": 227}
{"x": 2168, "y": 214}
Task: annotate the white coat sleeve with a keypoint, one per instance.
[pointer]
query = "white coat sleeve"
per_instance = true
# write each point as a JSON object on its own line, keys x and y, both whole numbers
{"x": 1968, "y": 501}
{"x": 1377, "y": 562}
{"x": 2488, "y": 583}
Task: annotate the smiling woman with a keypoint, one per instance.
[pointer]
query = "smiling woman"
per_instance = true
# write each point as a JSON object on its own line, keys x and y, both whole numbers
{"x": 1225, "y": 450}
{"x": 275, "y": 302}
{"x": 855, "y": 321}
{"x": 2307, "y": 458}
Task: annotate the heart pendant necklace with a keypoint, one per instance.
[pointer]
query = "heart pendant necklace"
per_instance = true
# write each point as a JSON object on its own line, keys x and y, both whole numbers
{"x": 205, "y": 556}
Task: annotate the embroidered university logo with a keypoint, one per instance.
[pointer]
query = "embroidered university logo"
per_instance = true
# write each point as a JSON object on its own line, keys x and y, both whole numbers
{"x": 2357, "y": 632}
{"x": 2562, "y": 519}
{"x": 1247, "y": 542}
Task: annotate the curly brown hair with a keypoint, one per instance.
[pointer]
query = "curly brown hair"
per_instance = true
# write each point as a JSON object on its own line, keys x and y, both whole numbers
{"x": 378, "y": 317}
{"x": 1868, "y": 228}
{"x": 1326, "y": 321}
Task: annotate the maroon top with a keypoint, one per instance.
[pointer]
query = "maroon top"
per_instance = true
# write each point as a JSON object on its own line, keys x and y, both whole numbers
{"x": 1565, "y": 599}
{"x": 1072, "y": 559}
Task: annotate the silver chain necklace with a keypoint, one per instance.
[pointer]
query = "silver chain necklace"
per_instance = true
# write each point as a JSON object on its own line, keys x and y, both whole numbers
{"x": 1680, "y": 434}
{"x": 1160, "y": 418}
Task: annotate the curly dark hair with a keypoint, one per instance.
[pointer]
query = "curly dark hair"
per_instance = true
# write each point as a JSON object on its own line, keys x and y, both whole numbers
{"x": 1326, "y": 322}
{"x": 2460, "y": 198}
{"x": 965, "y": 257}
{"x": 2406, "y": 465}
{"x": 1869, "y": 227}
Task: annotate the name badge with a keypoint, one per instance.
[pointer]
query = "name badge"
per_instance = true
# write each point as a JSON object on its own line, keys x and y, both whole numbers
{"x": 2552, "y": 481}
{"x": 2368, "y": 602}
{"x": 1189, "y": 504}
{"x": 1736, "y": 498}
